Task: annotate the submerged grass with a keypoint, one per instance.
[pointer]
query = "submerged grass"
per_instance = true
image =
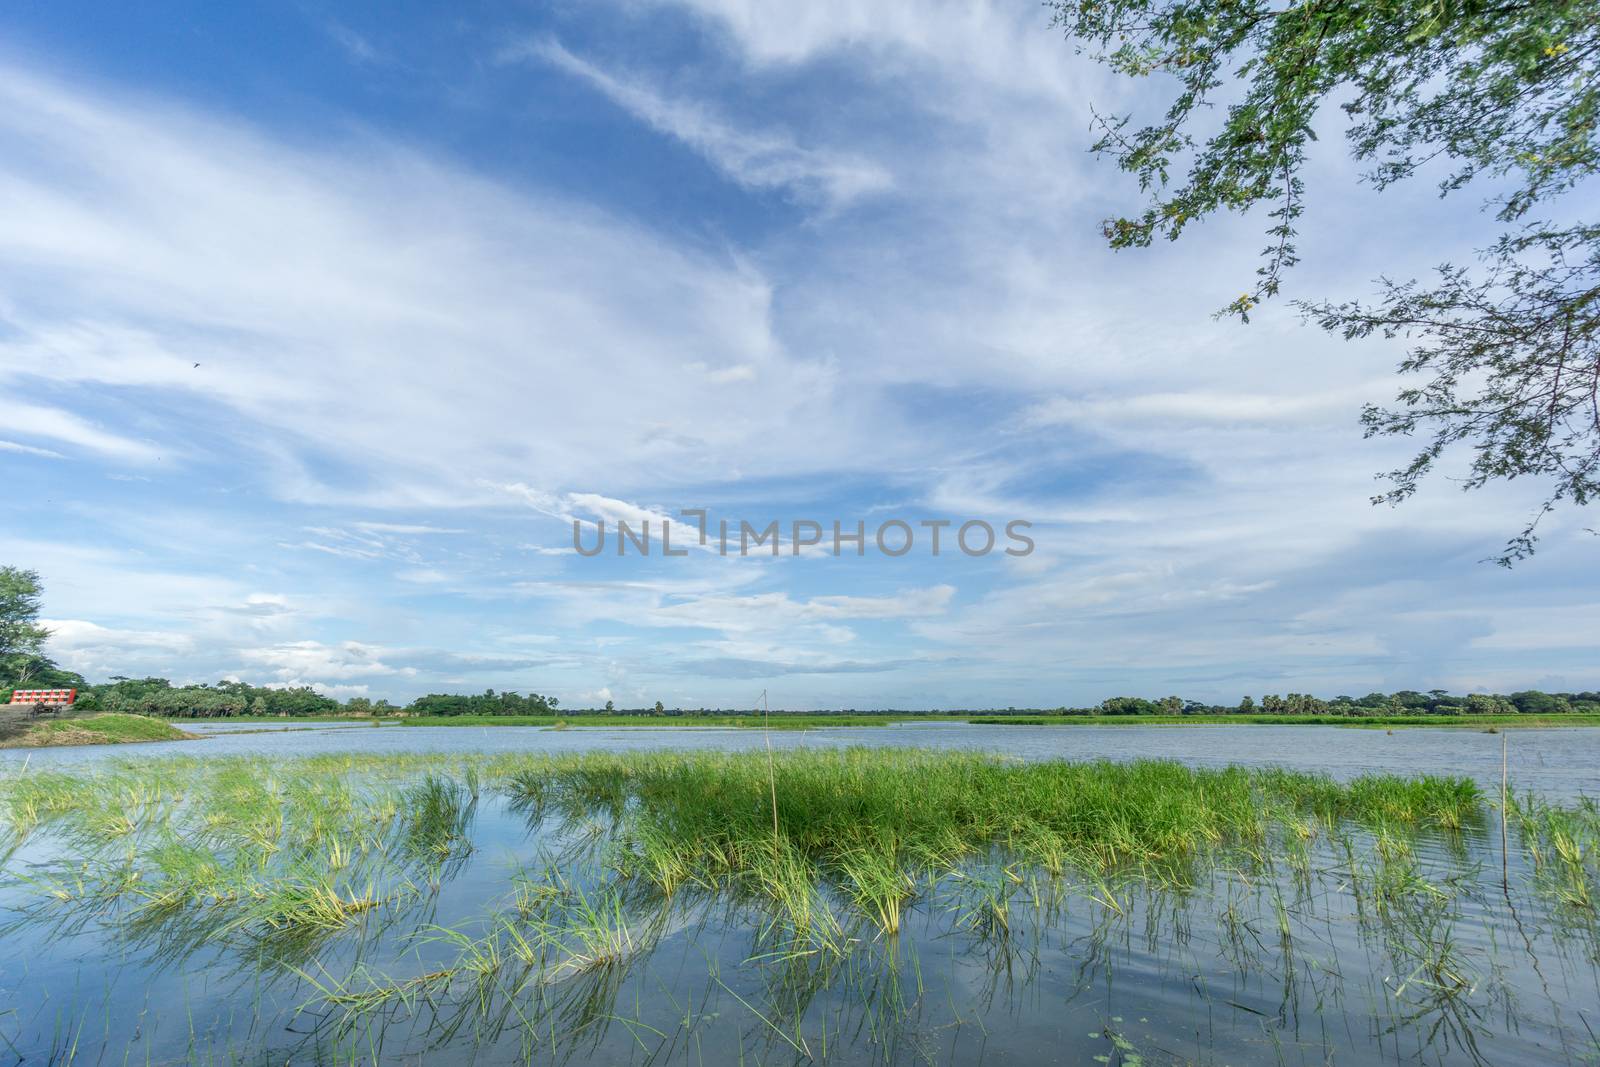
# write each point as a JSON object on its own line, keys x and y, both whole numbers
{"x": 1563, "y": 843}
{"x": 316, "y": 842}
{"x": 833, "y": 860}
{"x": 875, "y": 827}
{"x": 923, "y": 805}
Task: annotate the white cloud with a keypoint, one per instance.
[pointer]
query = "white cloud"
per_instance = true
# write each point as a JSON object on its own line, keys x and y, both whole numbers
{"x": 1000, "y": 45}
{"x": 405, "y": 528}
{"x": 1207, "y": 407}
{"x": 72, "y": 636}
{"x": 375, "y": 327}
{"x": 591, "y": 509}
{"x": 762, "y": 159}
{"x": 911, "y": 604}
{"x": 356, "y": 46}
{"x": 519, "y": 332}
{"x": 98, "y": 652}
{"x": 545, "y": 550}
{"x": 296, "y": 660}
{"x": 422, "y": 576}
{"x": 763, "y": 617}
{"x": 345, "y": 551}
{"x": 29, "y": 450}
{"x": 742, "y": 372}
{"x": 35, "y": 420}
{"x": 83, "y": 581}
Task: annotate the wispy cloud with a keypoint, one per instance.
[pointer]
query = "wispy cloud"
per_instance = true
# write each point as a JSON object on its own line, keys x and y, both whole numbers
{"x": 757, "y": 159}
{"x": 29, "y": 450}
{"x": 391, "y": 381}
{"x": 355, "y": 45}
{"x": 173, "y": 256}
{"x": 406, "y": 528}
{"x": 423, "y": 576}
{"x": 58, "y": 425}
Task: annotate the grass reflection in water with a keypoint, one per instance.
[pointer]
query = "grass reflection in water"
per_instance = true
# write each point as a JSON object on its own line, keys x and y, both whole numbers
{"x": 914, "y": 906}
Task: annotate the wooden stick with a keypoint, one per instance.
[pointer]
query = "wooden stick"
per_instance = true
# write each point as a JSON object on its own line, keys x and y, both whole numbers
{"x": 1505, "y": 862}
{"x": 772, "y": 777}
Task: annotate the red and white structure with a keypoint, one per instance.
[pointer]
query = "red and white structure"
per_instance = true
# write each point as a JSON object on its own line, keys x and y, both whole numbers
{"x": 56, "y": 698}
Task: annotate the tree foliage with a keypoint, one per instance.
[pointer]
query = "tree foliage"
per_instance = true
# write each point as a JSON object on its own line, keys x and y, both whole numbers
{"x": 158, "y": 696}
{"x": 21, "y": 636}
{"x": 23, "y": 660}
{"x": 486, "y": 703}
{"x": 1403, "y": 702}
{"x": 1507, "y": 359}
{"x": 1509, "y": 366}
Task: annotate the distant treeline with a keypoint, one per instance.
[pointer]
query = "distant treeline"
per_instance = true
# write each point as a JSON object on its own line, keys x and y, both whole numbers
{"x": 157, "y": 696}
{"x": 226, "y": 699}
{"x": 1404, "y": 702}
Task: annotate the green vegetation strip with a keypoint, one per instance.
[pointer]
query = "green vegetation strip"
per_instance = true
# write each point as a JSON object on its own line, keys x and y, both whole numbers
{"x": 315, "y": 841}
{"x": 783, "y": 721}
{"x": 348, "y": 831}
{"x": 870, "y": 824}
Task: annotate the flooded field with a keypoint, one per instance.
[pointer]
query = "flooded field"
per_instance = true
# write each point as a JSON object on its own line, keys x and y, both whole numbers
{"x": 836, "y": 904}
{"x": 1562, "y": 762}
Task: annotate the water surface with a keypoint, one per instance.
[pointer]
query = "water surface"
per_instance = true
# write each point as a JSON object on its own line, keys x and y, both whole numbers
{"x": 1357, "y": 946}
{"x": 1560, "y": 762}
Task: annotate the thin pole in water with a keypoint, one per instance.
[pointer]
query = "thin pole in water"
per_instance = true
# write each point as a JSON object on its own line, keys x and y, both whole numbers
{"x": 1505, "y": 862}
{"x": 772, "y": 777}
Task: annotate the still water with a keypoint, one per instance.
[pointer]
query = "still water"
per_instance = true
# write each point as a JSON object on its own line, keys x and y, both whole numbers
{"x": 1561, "y": 763}
{"x": 1349, "y": 947}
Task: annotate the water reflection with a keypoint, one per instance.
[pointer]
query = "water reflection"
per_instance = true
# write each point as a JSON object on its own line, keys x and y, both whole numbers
{"x": 1559, "y": 762}
{"x": 451, "y": 920}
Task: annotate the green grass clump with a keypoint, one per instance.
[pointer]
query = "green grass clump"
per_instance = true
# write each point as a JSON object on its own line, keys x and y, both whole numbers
{"x": 314, "y": 843}
{"x": 828, "y": 868}
{"x": 875, "y": 824}
{"x": 1563, "y": 844}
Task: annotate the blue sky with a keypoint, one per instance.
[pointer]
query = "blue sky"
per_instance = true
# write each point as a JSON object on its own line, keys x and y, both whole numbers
{"x": 320, "y": 323}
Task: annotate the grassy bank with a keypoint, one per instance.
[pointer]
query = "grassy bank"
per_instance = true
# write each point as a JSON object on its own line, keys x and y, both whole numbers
{"x": 95, "y": 730}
